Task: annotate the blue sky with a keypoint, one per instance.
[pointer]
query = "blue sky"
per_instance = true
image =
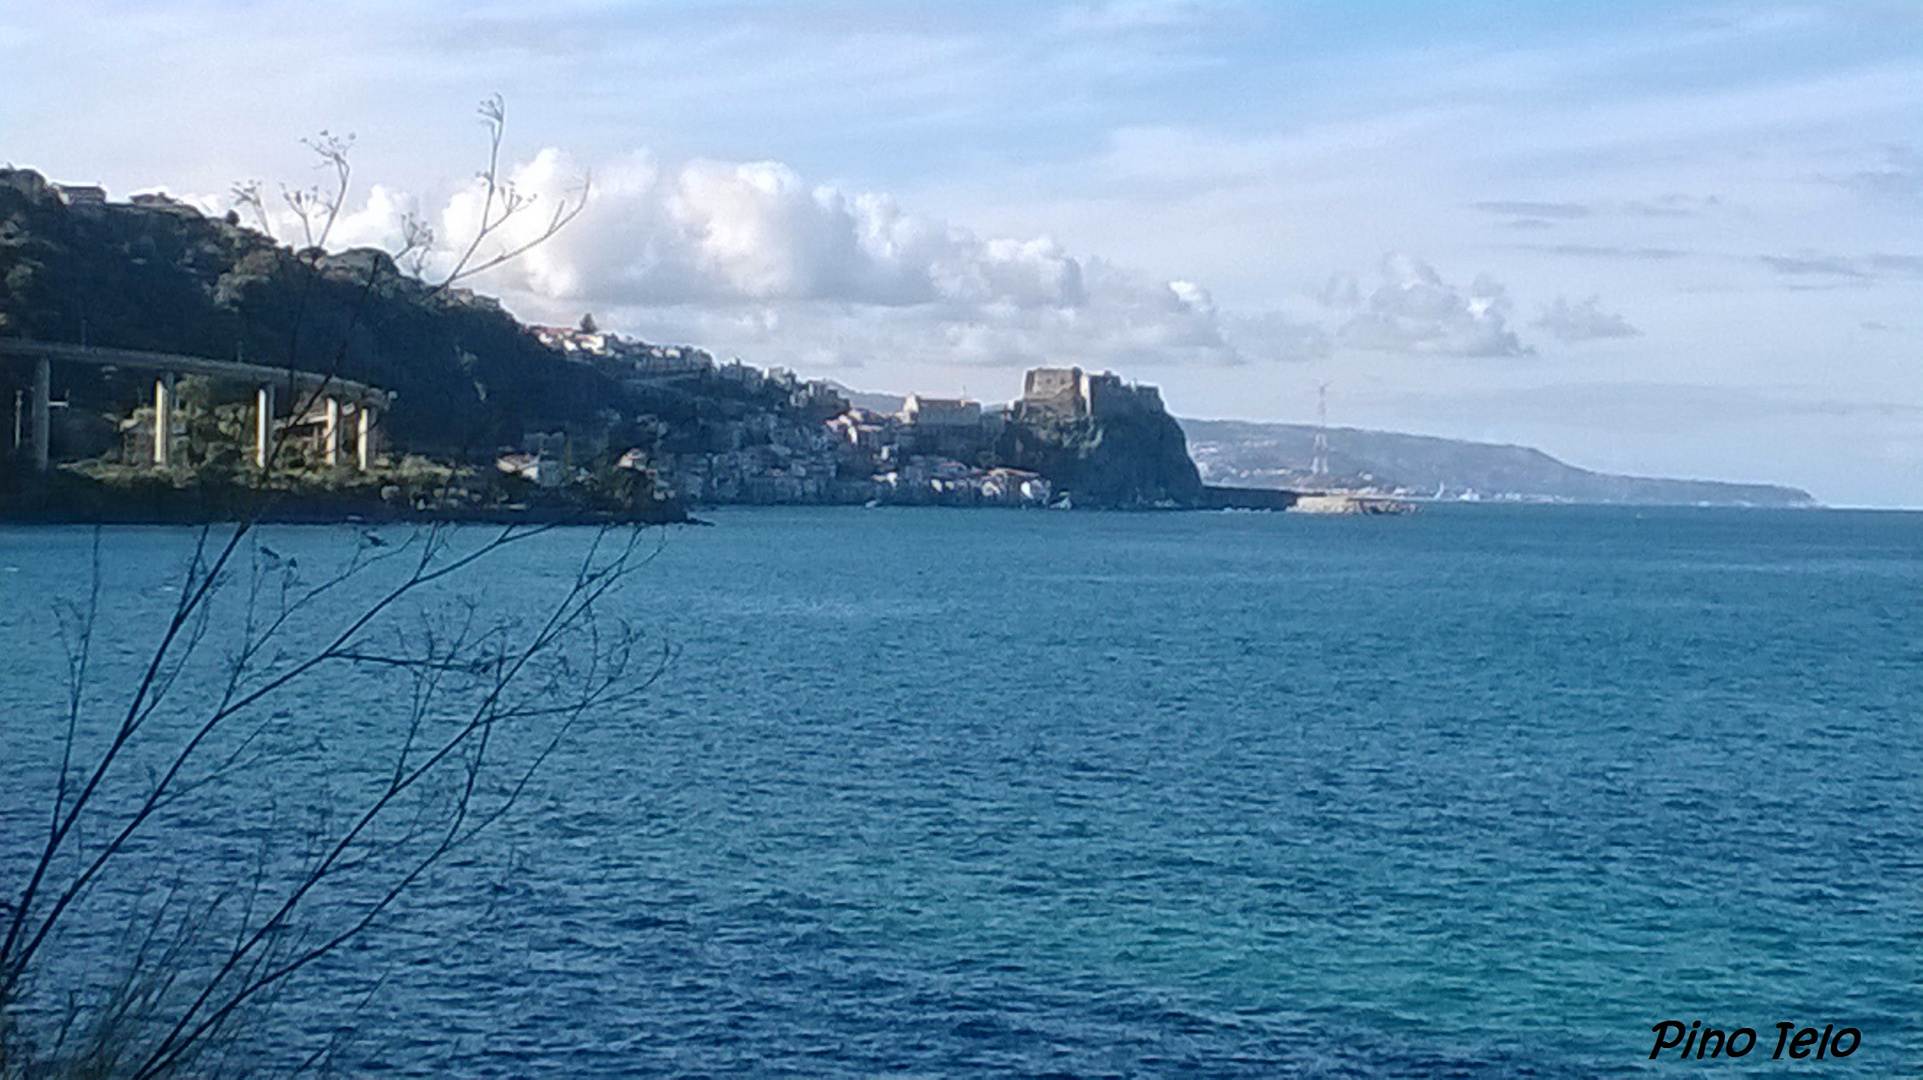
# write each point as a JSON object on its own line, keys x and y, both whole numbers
{"x": 1665, "y": 238}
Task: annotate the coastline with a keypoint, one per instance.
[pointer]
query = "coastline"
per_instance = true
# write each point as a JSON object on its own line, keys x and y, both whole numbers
{"x": 67, "y": 499}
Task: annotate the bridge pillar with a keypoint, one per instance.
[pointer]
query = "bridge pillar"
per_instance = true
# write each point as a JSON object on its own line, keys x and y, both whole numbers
{"x": 42, "y": 403}
{"x": 164, "y": 420}
{"x": 331, "y": 432}
{"x": 263, "y": 424}
{"x": 364, "y": 438}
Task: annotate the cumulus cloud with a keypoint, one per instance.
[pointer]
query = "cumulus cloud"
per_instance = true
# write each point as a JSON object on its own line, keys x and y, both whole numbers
{"x": 720, "y": 232}
{"x": 377, "y": 222}
{"x": 750, "y": 257}
{"x": 1125, "y": 321}
{"x": 1583, "y": 322}
{"x": 1415, "y": 311}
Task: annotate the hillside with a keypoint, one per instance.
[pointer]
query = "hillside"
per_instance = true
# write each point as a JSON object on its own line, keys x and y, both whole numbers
{"x": 1278, "y": 455}
{"x": 155, "y": 274}
{"x": 469, "y": 378}
{"x": 477, "y": 390}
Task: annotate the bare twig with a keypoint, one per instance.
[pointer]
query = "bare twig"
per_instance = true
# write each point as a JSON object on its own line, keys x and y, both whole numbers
{"x": 501, "y": 200}
{"x": 319, "y": 208}
{"x": 247, "y": 193}
{"x": 179, "y": 734}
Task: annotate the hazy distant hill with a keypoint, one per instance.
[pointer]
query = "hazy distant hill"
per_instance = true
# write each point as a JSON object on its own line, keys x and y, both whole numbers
{"x": 1250, "y": 454}
{"x": 862, "y": 399}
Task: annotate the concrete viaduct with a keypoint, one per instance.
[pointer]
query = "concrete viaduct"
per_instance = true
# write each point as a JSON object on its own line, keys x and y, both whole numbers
{"x": 337, "y": 396}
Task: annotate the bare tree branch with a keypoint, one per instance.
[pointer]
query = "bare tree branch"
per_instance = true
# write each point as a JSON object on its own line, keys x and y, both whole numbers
{"x": 194, "y": 720}
{"x": 501, "y": 200}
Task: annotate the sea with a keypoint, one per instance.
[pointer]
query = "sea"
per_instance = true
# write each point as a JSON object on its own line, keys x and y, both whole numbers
{"x": 1485, "y": 791}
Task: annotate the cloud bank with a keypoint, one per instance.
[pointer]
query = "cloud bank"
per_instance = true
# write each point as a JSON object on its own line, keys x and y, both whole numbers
{"x": 1583, "y": 322}
{"x": 1414, "y": 310}
{"x": 751, "y": 258}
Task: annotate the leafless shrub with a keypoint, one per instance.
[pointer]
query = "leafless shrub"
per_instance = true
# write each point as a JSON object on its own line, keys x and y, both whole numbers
{"x": 465, "y": 703}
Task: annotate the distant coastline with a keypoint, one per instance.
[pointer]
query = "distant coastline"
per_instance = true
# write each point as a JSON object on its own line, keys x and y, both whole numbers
{"x": 1424, "y": 467}
{"x": 170, "y": 366}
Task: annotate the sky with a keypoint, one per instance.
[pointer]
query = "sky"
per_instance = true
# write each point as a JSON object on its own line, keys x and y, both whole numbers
{"x": 1667, "y": 238}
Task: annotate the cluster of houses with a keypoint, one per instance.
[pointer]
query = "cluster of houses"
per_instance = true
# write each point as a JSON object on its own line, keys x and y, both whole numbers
{"x": 810, "y": 445}
{"x": 589, "y": 344}
{"x": 787, "y": 463}
{"x": 813, "y": 446}
{"x": 856, "y": 456}
{"x": 643, "y": 364}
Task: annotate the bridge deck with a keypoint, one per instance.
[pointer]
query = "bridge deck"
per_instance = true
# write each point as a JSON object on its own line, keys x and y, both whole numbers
{"x": 257, "y": 374}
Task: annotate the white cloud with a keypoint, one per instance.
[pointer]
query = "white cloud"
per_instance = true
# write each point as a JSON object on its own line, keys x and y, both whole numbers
{"x": 720, "y": 232}
{"x": 749, "y": 257}
{"x": 1415, "y": 311}
{"x": 1126, "y": 322}
{"x": 1583, "y": 322}
{"x": 378, "y": 221}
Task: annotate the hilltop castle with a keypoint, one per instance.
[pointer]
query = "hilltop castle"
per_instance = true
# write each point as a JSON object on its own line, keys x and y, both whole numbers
{"x": 1073, "y": 394}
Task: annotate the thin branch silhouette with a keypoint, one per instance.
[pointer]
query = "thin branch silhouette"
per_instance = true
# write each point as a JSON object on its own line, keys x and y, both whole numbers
{"x": 247, "y": 641}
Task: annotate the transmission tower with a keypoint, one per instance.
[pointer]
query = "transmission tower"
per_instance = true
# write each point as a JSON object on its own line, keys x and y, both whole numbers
{"x": 1319, "y": 464}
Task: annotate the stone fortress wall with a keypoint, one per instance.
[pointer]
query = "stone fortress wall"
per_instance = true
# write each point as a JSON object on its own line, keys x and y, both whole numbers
{"x": 1073, "y": 394}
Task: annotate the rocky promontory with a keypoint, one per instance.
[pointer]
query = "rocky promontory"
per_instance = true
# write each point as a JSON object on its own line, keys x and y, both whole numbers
{"x": 506, "y": 415}
{"x": 1119, "y": 449}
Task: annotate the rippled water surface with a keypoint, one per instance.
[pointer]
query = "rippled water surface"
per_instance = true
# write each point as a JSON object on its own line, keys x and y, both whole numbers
{"x": 1482, "y": 792}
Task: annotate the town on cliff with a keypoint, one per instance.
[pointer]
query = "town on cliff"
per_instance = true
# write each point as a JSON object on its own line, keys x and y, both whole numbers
{"x": 1072, "y": 436}
{"x": 167, "y": 364}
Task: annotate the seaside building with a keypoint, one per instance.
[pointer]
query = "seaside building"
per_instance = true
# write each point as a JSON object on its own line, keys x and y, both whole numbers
{"x": 944, "y": 427}
{"x": 539, "y": 469}
{"x": 569, "y": 339}
{"x": 81, "y": 194}
{"x": 941, "y": 412}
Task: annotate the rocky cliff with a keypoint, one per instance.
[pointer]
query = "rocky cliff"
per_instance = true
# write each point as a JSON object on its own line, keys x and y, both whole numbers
{"x": 1138, "y": 458}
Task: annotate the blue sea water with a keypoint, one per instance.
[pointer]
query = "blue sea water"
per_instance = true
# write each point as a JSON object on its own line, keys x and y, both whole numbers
{"x": 1484, "y": 792}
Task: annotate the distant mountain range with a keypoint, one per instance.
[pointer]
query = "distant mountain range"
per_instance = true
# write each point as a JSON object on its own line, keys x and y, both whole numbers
{"x": 1248, "y": 454}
